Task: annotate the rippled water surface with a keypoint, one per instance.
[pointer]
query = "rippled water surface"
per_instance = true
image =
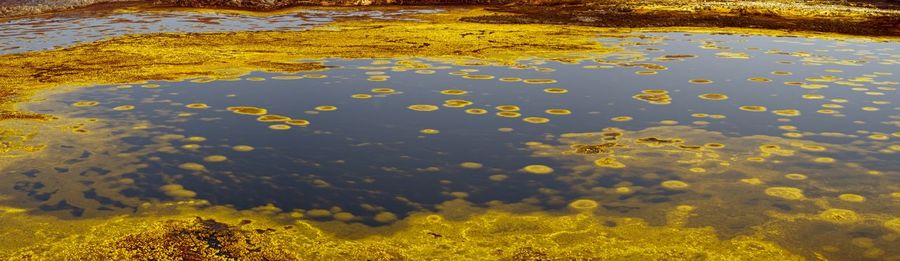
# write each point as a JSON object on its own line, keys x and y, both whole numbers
{"x": 737, "y": 130}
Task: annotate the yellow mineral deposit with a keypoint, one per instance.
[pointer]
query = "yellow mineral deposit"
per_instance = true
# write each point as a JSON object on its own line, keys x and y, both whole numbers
{"x": 479, "y": 77}
{"x": 423, "y": 107}
{"x": 124, "y": 108}
{"x": 752, "y": 108}
{"x": 659, "y": 97}
{"x": 215, "y": 158}
{"x": 272, "y": 118}
{"x": 383, "y": 90}
{"x": 536, "y": 120}
{"x": 508, "y": 114}
{"x": 457, "y": 103}
{"x": 508, "y": 108}
{"x": 471, "y": 165}
{"x": 192, "y": 166}
{"x": 85, "y": 104}
{"x": 247, "y": 110}
{"x": 197, "y": 106}
{"x": 539, "y": 81}
{"x": 621, "y": 118}
{"x": 555, "y": 90}
{"x": 788, "y": 193}
{"x": 674, "y": 184}
{"x": 476, "y": 111}
{"x": 429, "y": 131}
{"x": 537, "y": 169}
{"x": 584, "y": 204}
{"x": 297, "y": 122}
{"x": 852, "y": 198}
{"x": 713, "y": 96}
{"x": 242, "y": 148}
{"x": 700, "y": 81}
{"x": 609, "y": 162}
{"x": 326, "y": 108}
{"x": 558, "y": 111}
{"x": 795, "y": 176}
{"x": 280, "y": 127}
{"x": 454, "y": 92}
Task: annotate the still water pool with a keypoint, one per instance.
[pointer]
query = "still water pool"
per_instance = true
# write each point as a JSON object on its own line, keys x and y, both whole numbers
{"x": 735, "y": 132}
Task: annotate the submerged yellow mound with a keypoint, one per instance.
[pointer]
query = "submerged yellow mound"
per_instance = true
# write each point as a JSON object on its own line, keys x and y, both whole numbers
{"x": 219, "y": 233}
{"x": 177, "y": 56}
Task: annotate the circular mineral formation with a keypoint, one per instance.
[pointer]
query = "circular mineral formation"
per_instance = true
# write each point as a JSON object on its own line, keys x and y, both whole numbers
{"x": 538, "y": 169}
{"x": 584, "y": 204}
{"x": 788, "y": 193}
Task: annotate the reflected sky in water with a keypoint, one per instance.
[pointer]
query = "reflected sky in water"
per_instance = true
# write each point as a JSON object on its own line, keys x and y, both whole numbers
{"x": 34, "y": 34}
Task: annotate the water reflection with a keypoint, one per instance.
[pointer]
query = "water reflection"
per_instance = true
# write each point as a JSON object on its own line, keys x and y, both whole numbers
{"x": 34, "y": 34}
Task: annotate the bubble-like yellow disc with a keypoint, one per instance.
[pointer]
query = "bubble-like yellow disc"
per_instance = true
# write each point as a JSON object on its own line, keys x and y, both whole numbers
{"x": 787, "y": 112}
{"x": 315, "y": 76}
{"x": 326, "y": 108}
{"x": 272, "y": 118}
{"x": 385, "y": 217}
{"x": 674, "y": 184}
{"x": 280, "y": 127}
{"x": 124, "y": 108}
{"x": 539, "y": 81}
{"x": 621, "y": 118}
{"x": 781, "y": 73}
{"x": 215, "y": 158}
{"x": 383, "y": 90}
{"x": 192, "y": 166}
{"x": 851, "y": 198}
{"x": 556, "y": 90}
{"x": 471, "y": 165}
{"x": 423, "y": 107}
{"x": 795, "y": 176}
{"x": 197, "y": 106}
{"x": 558, "y": 111}
{"x": 457, "y": 103}
{"x": 508, "y": 108}
{"x": 86, "y": 104}
{"x": 713, "y": 96}
{"x": 454, "y": 92}
{"x": 476, "y": 111}
{"x": 243, "y": 148}
{"x": 584, "y": 204}
{"x": 536, "y": 120}
{"x": 788, "y": 193}
{"x": 479, "y": 77}
{"x": 609, "y": 162}
{"x": 538, "y": 169}
{"x": 247, "y": 110}
{"x": 297, "y": 122}
{"x": 752, "y": 108}
{"x": 509, "y": 114}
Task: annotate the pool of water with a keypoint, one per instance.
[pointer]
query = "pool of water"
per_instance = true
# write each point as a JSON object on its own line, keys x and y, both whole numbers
{"x": 34, "y": 34}
{"x": 738, "y": 130}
